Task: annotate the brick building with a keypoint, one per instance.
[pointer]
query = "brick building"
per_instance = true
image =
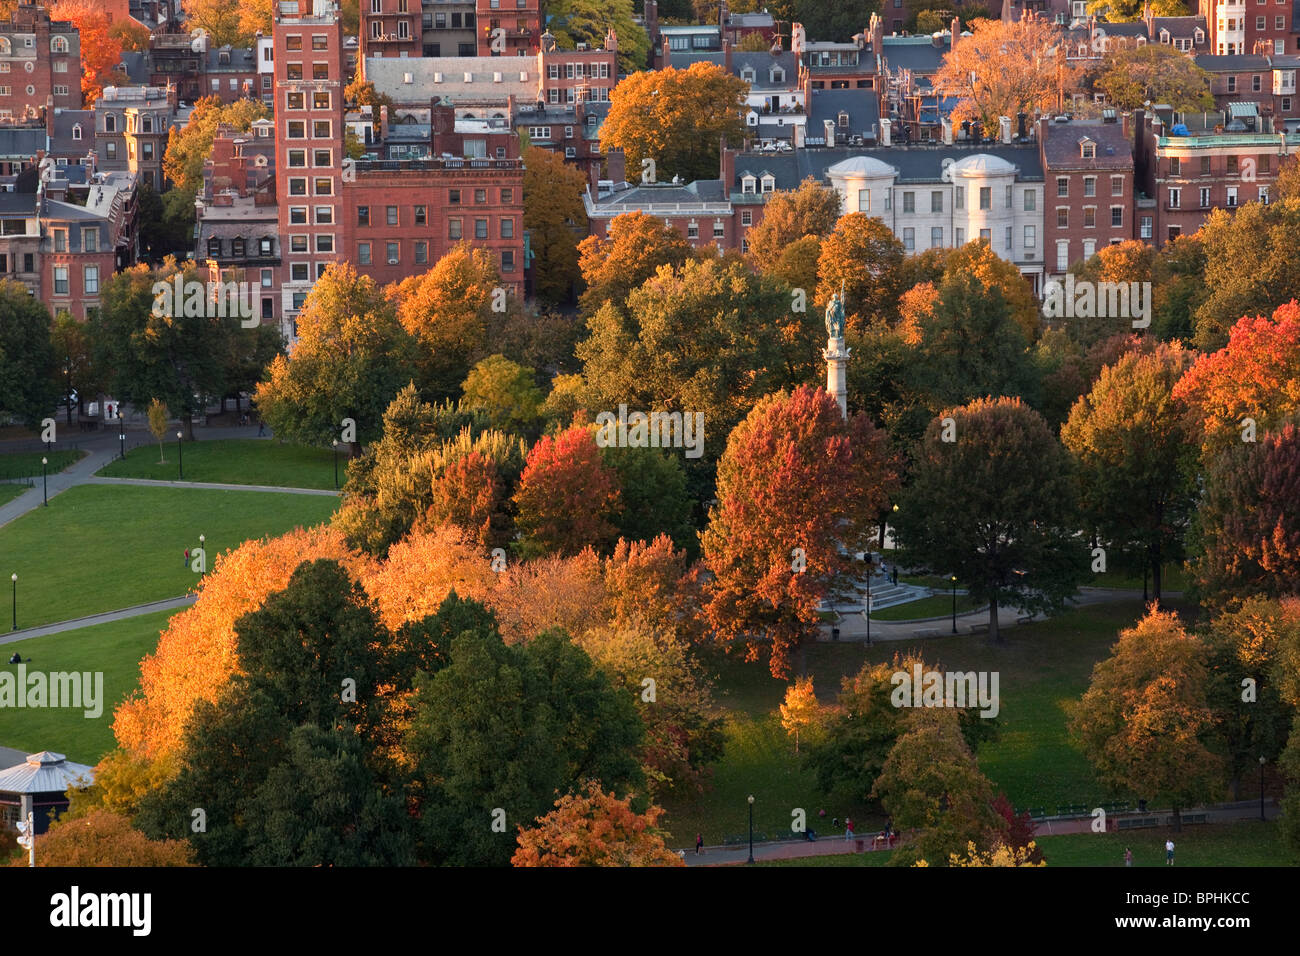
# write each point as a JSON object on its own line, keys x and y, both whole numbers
{"x": 40, "y": 62}
{"x": 1250, "y": 26}
{"x": 132, "y": 126}
{"x": 1088, "y": 175}
{"x": 508, "y": 27}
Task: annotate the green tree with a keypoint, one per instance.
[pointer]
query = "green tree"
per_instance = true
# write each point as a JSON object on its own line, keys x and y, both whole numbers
{"x": 190, "y": 145}
{"x": 993, "y": 501}
{"x": 502, "y": 729}
{"x": 351, "y": 358}
{"x": 27, "y": 355}
{"x": 505, "y": 391}
{"x": 588, "y": 21}
{"x": 1143, "y": 721}
{"x": 1178, "y": 289}
{"x": 1137, "y": 460}
{"x": 555, "y": 217}
{"x": 1154, "y": 73}
{"x": 653, "y": 499}
{"x": 1125, "y": 11}
{"x": 74, "y": 365}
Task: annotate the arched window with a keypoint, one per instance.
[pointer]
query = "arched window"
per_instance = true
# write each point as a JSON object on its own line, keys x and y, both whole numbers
{"x": 110, "y": 123}
{"x": 76, "y": 131}
{"x": 59, "y": 45}
{"x": 6, "y": 49}
{"x": 146, "y": 124}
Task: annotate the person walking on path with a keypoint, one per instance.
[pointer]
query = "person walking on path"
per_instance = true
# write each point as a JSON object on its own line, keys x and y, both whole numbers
{"x": 1128, "y": 857}
{"x": 699, "y": 843}
{"x": 848, "y": 829}
{"x": 186, "y": 562}
{"x": 894, "y": 576}
{"x": 261, "y": 428}
{"x": 1169, "y": 853}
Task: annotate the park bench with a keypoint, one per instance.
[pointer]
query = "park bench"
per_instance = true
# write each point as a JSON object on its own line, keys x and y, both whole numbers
{"x": 1072, "y": 810}
{"x": 1135, "y": 823}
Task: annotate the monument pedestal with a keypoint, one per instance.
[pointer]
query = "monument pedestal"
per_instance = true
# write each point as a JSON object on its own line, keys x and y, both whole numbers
{"x": 837, "y": 360}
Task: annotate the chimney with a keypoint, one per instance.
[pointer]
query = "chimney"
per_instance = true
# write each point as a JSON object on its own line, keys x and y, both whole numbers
{"x": 1124, "y": 125}
{"x": 945, "y": 122}
{"x": 1044, "y": 127}
{"x": 651, "y": 10}
{"x": 383, "y": 124}
{"x": 828, "y": 126}
{"x": 726, "y": 53}
{"x": 877, "y": 29}
{"x": 593, "y": 179}
{"x": 726, "y": 166}
{"x": 724, "y": 14}
{"x": 956, "y": 32}
{"x": 1004, "y": 129}
{"x": 884, "y": 132}
{"x": 616, "y": 164}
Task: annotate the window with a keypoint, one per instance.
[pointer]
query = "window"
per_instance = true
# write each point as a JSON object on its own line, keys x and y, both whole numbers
{"x": 480, "y": 228}
{"x": 320, "y": 129}
{"x": 1031, "y": 200}
{"x": 320, "y": 71}
{"x": 60, "y": 240}
{"x": 91, "y": 286}
{"x": 294, "y": 101}
{"x": 454, "y": 228}
{"x": 986, "y": 197}
{"x": 110, "y": 150}
{"x": 1264, "y": 163}
{"x": 324, "y": 215}
{"x": 421, "y": 216}
{"x": 936, "y": 201}
{"x": 363, "y": 253}
{"x": 1089, "y": 217}
{"x": 297, "y": 158}
{"x": 747, "y": 217}
{"x": 1117, "y": 216}
{"x": 1175, "y": 194}
{"x": 909, "y": 236}
{"x": 59, "y": 45}
{"x": 507, "y": 228}
{"x": 1175, "y": 166}
{"x": 90, "y": 239}
{"x": 392, "y": 252}
{"x": 1205, "y": 197}
{"x": 453, "y": 197}
{"x": 60, "y": 280}
{"x": 325, "y": 243}
{"x": 1263, "y": 195}
{"x": 319, "y": 100}
{"x": 1031, "y": 237}
{"x": 1062, "y": 186}
{"x": 324, "y": 186}
{"x": 769, "y": 184}
{"x": 264, "y": 249}
{"x": 293, "y": 71}
{"x": 363, "y": 215}
{"x": 480, "y": 197}
{"x": 297, "y": 186}
{"x": 1009, "y": 240}
{"x": 936, "y": 237}
{"x": 293, "y": 43}
{"x": 76, "y": 132}
{"x": 320, "y": 42}
{"x": 747, "y": 184}
{"x": 864, "y": 200}
{"x": 1089, "y": 247}
{"x": 959, "y": 198}
{"x": 296, "y": 129}
{"x": 1232, "y": 196}
{"x": 421, "y": 253}
{"x": 1232, "y": 84}
{"x": 507, "y": 260}
{"x": 390, "y": 215}
{"x": 692, "y": 230}
{"x": 267, "y": 279}
{"x": 1090, "y": 185}
{"x": 238, "y": 248}
{"x": 909, "y": 202}
{"x": 986, "y": 235}
{"x": 1062, "y": 217}
{"x": 1062, "y": 255}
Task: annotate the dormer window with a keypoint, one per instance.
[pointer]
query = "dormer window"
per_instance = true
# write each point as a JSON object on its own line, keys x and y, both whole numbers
{"x": 1200, "y": 35}
{"x": 748, "y": 184}
{"x": 1087, "y": 149}
{"x": 59, "y": 45}
{"x": 76, "y": 132}
{"x": 776, "y": 75}
{"x": 769, "y": 183}
{"x": 110, "y": 123}
{"x": 747, "y": 74}
{"x": 843, "y": 120}
{"x": 1164, "y": 36}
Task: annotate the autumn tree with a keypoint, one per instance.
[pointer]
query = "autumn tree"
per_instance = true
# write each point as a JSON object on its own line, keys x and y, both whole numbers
{"x": 1143, "y": 721}
{"x": 567, "y": 494}
{"x": 801, "y": 714}
{"x": 222, "y": 21}
{"x": 993, "y": 501}
{"x": 931, "y": 783}
{"x": 813, "y": 209}
{"x": 102, "y": 838}
{"x": 351, "y": 358}
{"x": 1248, "y": 527}
{"x": 595, "y": 828}
{"x": 1262, "y": 235}
{"x": 976, "y": 259}
{"x": 863, "y": 260}
{"x": 1287, "y": 183}
{"x": 588, "y": 21}
{"x": 555, "y": 218}
{"x": 1126, "y": 11}
{"x": 101, "y": 46}
{"x": 158, "y": 425}
{"x": 1137, "y": 460}
{"x": 1154, "y": 73}
{"x": 637, "y": 245}
{"x": 676, "y": 118}
{"x": 130, "y": 35}
{"x": 505, "y": 391}
{"x": 1255, "y": 375}
{"x": 799, "y": 490}
{"x": 1126, "y": 262}
{"x": 1003, "y": 69}
{"x": 27, "y": 354}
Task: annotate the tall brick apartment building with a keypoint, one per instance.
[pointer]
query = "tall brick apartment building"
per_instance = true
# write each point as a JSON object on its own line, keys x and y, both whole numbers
{"x": 40, "y": 60}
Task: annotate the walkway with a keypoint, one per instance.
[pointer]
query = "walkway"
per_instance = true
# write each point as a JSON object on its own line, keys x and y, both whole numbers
{"x": 153, "y": 483}
{"x": 170, "y": 604}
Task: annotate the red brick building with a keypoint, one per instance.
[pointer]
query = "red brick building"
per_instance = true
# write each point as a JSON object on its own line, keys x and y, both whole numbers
{"x": 40, "y": 60}
{"x": 508, "y": 27}
{"x": 1250, "y": 26}
{"x": 391, "y": 28}
{"x": 1089, "y": 197}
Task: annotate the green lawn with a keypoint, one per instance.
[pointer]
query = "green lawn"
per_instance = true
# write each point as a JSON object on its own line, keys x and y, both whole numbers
{"x": 1041, "y": 668}
{"x": 1174, "y": 578}
{"x": 101, "y": 547}
{"x": 8, "y": 492}
{"x": 238, "y": 461}
{"x": 27, "y": 464}
{"x": 115, "y": 649}
{"x": 934, "y": 606}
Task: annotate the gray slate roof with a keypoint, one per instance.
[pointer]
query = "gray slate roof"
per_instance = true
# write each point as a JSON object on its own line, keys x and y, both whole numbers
{"x": 861, "y": 105}
{"x": 22, "y": 142}
{"x": 45, "y": 772}
{"x": 920, "y": 164}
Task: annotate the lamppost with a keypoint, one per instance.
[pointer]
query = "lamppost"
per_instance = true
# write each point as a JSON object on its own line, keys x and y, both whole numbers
{"x": 205, "y": 553}
{"x": 45, "y": 484}
{"x": 751, "y": 828}
{"x": 180, "y": 457}
{"x": 1261, "y": 788}
{"x": 954, "y": 603}
{"x": 870, "y": 569}
{"x": 335, "y": 443}
{"x": 14, "y": 578}
{"x": 121, "y": 433}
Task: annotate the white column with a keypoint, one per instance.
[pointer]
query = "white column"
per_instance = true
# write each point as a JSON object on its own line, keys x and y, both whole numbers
{"x": 837, "y": 360}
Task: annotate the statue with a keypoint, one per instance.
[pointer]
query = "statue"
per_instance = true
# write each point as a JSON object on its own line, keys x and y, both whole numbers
{"x": 835, "y": 317}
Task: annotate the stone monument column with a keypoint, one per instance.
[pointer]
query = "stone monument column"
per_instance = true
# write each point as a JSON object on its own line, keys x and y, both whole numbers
{"x": 836, "y": 355}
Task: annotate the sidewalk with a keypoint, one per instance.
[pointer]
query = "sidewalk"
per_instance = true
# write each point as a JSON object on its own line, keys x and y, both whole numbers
{"x": 103, "y": 617}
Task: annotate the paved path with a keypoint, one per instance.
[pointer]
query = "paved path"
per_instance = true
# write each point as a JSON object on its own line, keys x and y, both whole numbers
{"x": 121, "y": 614}
{"x": 835, "y": 844}
{"x": 152, "y": 483}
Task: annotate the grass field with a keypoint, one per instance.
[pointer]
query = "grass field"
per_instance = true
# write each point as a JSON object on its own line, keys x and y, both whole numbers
{"x": 115, "y": 650}
{"x": 27, "y": 464}
{"x": 1242, "y": 843}
{"x": 8, "y": 492}
{"x": 101, "y": 547}
{"x": 1042, "y": 667}
{"x": 247, "y": 461}
{"x": 1174, "y": 578}
{"x": 935, "y": 606}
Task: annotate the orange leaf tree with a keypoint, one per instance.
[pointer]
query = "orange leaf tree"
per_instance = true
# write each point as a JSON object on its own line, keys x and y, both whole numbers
{"x": 637, "y": 245}
{"x": 101, "y": 838}
{"x": 567, "y": 494}
{"x": 595, "y": 829}
{"x": 798, "y": 491}
{"x": 101, "y": 47}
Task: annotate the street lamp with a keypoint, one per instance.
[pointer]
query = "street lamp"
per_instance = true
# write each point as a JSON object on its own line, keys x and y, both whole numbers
{"x": 121, "y": 432}
{"x": 205, "y": 553}
{"x": 1261, "y": 788}
{"x": 954, "y": 603}
{"x": 335, "y": 443}
{"x": 14, "y": 578}
{"x": 45, "y": 484}
{"x": 180, "y": 457}
{"x": 751, "y": 828}
{"x": 870, "y": 568}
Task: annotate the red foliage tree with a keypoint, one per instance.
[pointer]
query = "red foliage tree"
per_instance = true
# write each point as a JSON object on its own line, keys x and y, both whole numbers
{"x": 567, "y": 495}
